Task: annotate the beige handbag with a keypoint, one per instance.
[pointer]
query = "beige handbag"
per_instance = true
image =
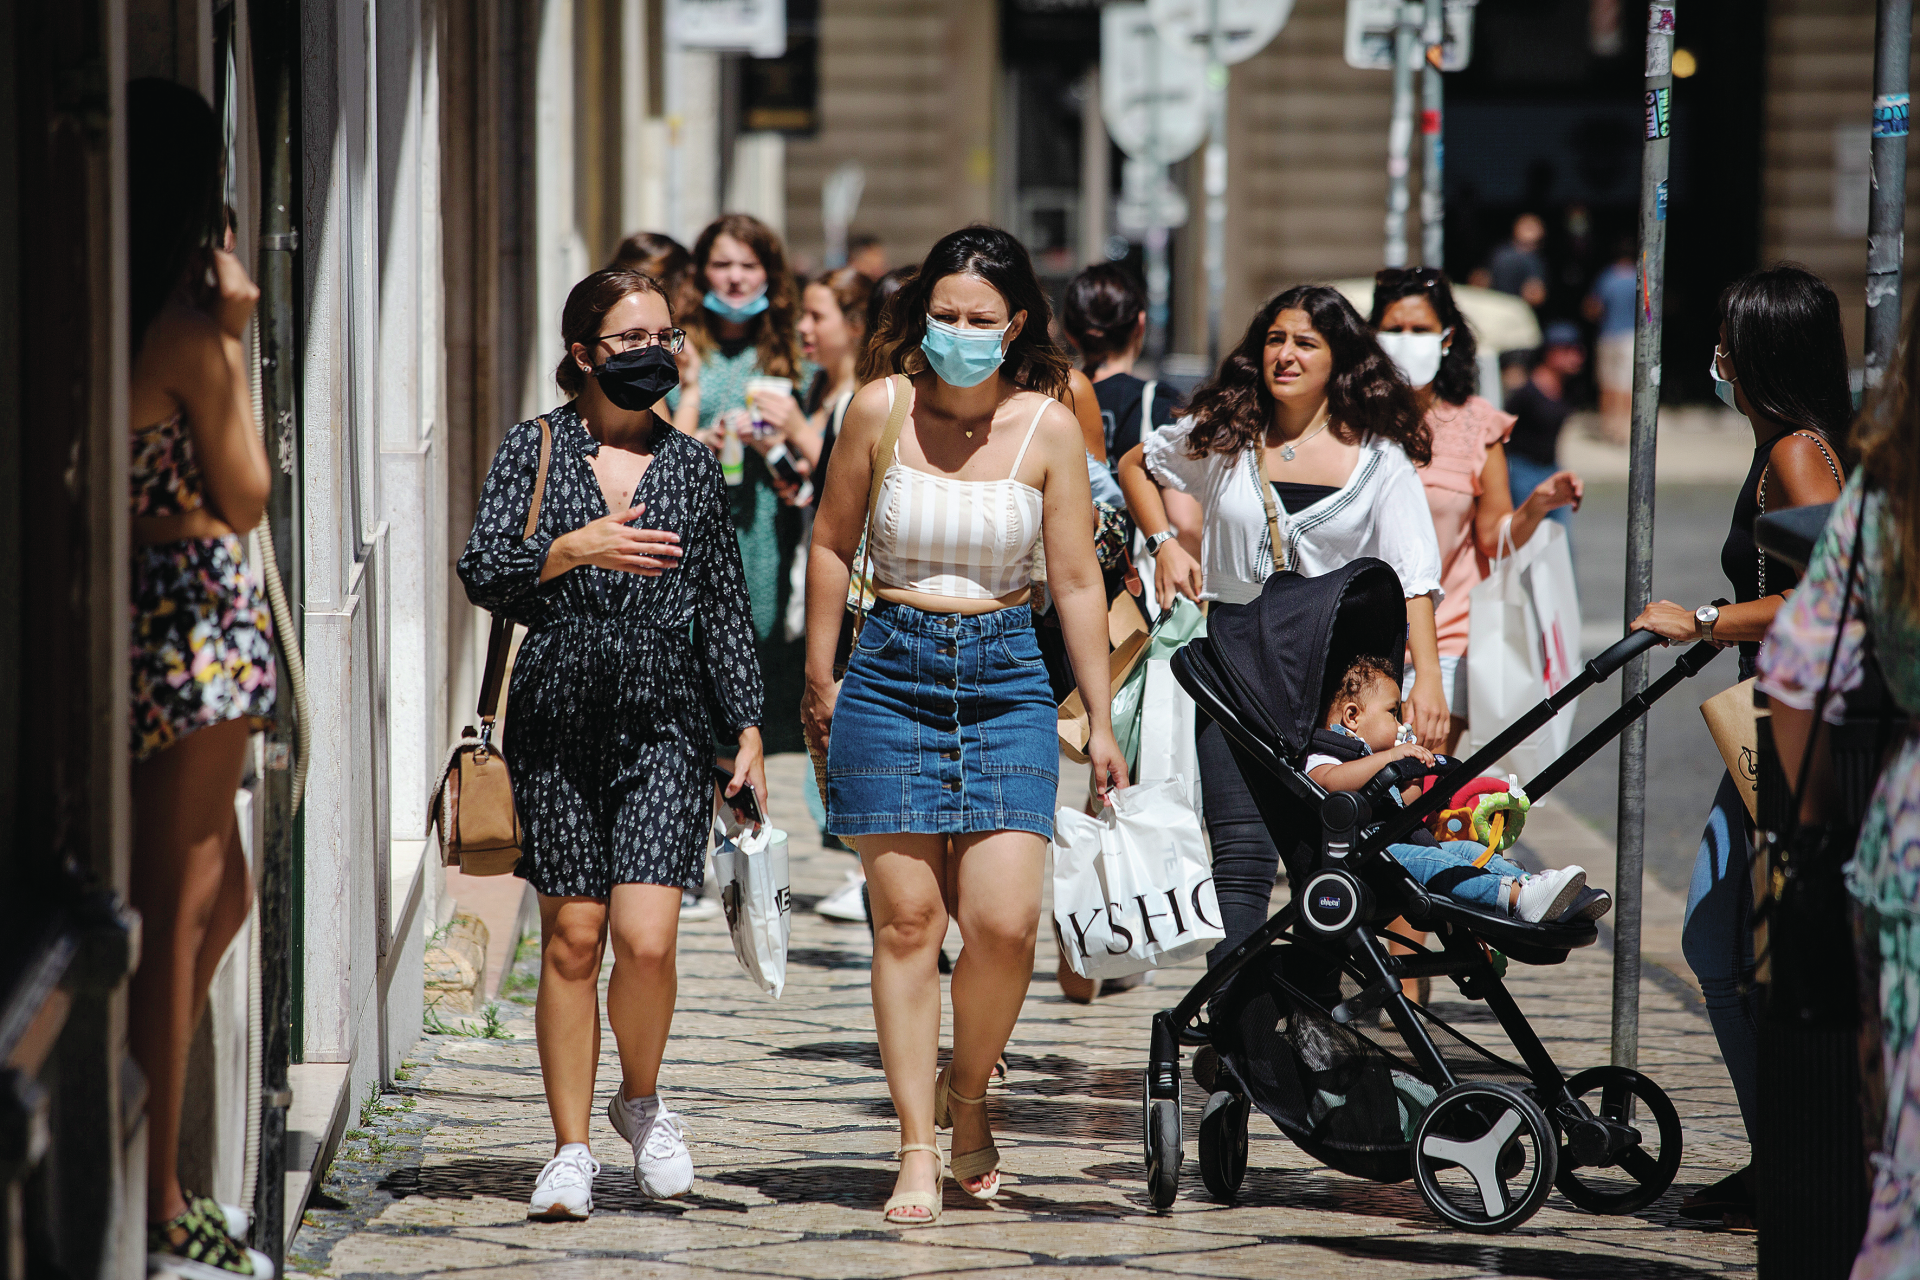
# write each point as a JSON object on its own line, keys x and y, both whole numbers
{"x": 473, "y": 802}
{"x": 1730, "y": 719}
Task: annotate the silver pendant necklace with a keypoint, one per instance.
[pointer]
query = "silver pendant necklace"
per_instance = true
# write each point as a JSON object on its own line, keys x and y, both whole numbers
{"x": 1287, "y": 450}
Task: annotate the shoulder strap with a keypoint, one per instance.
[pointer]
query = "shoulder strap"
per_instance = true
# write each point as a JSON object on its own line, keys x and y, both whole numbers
{"x": 1032, "y": 427}
{"x": 1146, "y": 406}
{"x": 899, "y": 402}
{"x": 539, "y": 479}
{"x": 1266, "y": 500}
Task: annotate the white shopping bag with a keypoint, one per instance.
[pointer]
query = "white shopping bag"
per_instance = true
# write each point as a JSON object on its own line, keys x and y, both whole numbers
{"x": 1523, "y": 644}
{"x": 1131, "y": 888}
{"x": 751, "y": 866}
{"x": 1166, "y": 732}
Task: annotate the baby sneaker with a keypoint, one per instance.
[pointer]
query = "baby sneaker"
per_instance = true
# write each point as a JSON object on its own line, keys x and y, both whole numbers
{"x": 565, "y": 1190}
{"x": 1546, "y": 895}
{"x": 662, "y": 1165}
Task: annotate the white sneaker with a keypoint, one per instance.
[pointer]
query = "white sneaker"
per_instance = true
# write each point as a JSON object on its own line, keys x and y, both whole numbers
{"x": 565, "y": 1190}
{"x": 844, "y": 903}
{"x": 662, "y": 1165}
{"x": 695, "y": 907}
{"x": 1546, "y": 895}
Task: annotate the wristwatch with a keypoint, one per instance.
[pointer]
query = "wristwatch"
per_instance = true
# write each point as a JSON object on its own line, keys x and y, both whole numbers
{"x": 1155, "y": 541}
{"x": 1706, "y": 615}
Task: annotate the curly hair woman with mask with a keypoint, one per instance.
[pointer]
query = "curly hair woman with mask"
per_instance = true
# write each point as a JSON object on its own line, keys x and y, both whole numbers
{"x": 1302, "y": 450}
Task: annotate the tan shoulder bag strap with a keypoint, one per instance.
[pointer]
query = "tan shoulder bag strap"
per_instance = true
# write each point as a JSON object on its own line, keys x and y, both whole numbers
{"x": 500, "y": 635}
{"x": 882, "y": 459}
{"x": 1273, "y": 512}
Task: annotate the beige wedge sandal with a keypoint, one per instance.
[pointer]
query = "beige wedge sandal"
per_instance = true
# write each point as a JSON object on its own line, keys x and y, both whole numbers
{"x": 928, "y": 1200}
{"x": 974, "y": 1164}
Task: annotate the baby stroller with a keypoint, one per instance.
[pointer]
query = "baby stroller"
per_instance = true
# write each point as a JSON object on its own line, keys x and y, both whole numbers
{"x": 1483, "y": 1152}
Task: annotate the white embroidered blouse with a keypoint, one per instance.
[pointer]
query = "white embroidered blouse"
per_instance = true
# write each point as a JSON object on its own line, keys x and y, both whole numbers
{"x": 1380, "y": 511}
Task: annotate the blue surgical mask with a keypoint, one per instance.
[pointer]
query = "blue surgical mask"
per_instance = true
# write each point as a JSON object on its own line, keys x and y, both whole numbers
{"x": 1722, "y": 387}
{"x": 728, "y": 311}
{"x": 962, "y": 357}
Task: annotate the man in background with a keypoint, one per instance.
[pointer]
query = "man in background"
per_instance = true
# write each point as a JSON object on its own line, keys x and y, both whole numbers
{"x": 867, "y": 254}
{"x": 1540, "y": 406}
{"x": 1611, "y": 306}
{"x": 1516, "y": 266}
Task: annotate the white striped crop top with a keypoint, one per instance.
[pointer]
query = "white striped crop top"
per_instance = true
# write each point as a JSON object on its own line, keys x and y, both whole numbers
{"x": 967, "y": 539}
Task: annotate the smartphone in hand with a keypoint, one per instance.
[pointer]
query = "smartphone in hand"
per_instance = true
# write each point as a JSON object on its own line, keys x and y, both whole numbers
{"x": 745, "y": 805}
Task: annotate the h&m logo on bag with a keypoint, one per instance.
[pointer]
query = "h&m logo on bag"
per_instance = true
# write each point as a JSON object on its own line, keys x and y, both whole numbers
{"x": 1138, "y": 909}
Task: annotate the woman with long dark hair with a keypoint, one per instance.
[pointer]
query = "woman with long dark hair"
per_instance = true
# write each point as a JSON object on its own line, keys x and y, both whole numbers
{"x": 202, "y": 642}
{"x": 612, "y": 709}
{"x": 1782, "y": 362}
{"x": 1420, "y": 327}
{"x": 1302, "y": 450}
{"x": 1805, "y": 650}
{"x": 942, "y": 753}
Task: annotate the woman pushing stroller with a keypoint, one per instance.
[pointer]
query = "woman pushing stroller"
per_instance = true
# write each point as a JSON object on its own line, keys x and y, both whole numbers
{"x": 1361, "y": 735}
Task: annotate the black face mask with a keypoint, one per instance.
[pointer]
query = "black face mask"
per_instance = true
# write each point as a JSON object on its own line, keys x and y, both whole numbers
{"x": 635, "y": 380}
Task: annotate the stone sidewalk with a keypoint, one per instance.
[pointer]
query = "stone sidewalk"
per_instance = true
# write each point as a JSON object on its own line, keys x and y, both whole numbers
{"x": 792, "y": 1133}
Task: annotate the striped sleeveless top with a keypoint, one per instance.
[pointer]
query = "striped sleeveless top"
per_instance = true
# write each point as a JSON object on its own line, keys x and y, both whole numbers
{"x": 967, "y": 539}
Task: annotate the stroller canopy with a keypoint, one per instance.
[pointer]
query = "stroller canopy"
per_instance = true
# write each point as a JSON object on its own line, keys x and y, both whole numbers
{"x": 1276, "y": 660}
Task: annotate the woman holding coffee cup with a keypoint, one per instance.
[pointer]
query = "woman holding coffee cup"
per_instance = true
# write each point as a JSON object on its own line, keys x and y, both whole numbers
{"x": 742, "y": 358}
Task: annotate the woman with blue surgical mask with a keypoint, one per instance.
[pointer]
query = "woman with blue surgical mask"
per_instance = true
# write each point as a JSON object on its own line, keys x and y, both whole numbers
{"x": 740, "y": 372}
{"x": 941, "y": 747}
{"x": 1781, "y": 362}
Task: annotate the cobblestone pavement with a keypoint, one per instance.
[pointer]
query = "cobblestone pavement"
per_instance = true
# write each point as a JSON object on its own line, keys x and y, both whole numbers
{"x": 792, "y": 1133}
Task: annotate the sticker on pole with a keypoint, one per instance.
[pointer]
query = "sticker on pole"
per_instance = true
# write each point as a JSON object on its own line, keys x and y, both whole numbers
{"x": 1890, "y": 115}
{"x": 1246, "y": 26}
{"x": 1370, "y": 26}
{"x": 1153, "y": 93}
{"x": 1659, "y": 114}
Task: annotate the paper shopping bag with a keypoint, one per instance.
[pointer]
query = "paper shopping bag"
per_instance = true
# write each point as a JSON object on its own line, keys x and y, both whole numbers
{"x": 1132, "y": 889}
{"x": 1523, "y": 644}
{"x": 751, "y": 866}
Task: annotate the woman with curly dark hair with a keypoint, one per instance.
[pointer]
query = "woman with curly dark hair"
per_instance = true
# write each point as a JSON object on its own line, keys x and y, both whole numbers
{"x": 1302, "y": 451}
{"x": 1420, "y": 327}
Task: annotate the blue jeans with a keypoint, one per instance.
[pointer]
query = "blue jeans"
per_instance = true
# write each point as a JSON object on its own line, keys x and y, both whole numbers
{"x": 1717, "y": 940}
{"x": 1524, "y": 476}
{"x": 1449, "y": 869}
{"x": 945, "y": 724}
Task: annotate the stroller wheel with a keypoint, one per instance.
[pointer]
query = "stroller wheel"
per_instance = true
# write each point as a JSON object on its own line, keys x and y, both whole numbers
{"x": 1484, "y": 1156}
{"x": 1161, "y": 1123}
{"x": 1630, "y": 1179}
{"x": 1223, "y": 1145}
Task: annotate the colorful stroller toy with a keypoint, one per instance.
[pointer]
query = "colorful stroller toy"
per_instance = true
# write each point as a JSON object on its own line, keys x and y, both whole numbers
{"x": 1484, "y": 1153}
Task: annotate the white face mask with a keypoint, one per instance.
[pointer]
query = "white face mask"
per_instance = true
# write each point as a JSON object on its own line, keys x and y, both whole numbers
{"x": 1416, "y": 354}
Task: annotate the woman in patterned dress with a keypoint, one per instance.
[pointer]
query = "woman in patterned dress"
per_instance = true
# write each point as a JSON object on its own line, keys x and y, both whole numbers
{"x": 637, "y": 640}
{"x": 1884, "y": 875}
{"x": 202, "y": 653}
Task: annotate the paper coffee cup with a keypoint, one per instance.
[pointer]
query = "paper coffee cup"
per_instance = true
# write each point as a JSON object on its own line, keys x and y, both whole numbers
{"x": 767, "y": 383}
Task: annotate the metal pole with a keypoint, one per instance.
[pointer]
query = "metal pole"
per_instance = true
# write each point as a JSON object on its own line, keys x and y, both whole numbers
{"x": 1658, "y": 104}
{"x": 1886, "y": 217}
{"x": 1433, "y": 226}
{"x": 276, "y": 62}
{"x": 1400, "y": 133}
{"x": 1216, "y": 181}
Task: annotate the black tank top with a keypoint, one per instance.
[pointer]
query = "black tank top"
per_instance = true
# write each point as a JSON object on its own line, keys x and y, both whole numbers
{"x": 1740, "y": 554}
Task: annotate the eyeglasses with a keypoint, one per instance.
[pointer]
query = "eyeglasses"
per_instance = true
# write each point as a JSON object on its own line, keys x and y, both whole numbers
{"x": 633, "y": 339}
{"x": 1387, "y": 277}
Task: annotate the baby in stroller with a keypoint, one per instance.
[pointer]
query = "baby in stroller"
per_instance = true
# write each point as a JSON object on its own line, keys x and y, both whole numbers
{"x": 1361, "y": 736}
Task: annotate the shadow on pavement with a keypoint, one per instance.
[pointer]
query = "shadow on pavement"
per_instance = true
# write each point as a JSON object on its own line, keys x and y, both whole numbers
{"x": 1505, "y": 1260}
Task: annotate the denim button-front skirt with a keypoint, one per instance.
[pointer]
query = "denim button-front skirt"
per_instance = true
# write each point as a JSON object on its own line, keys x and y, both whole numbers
{"x": 945, "y": 724}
